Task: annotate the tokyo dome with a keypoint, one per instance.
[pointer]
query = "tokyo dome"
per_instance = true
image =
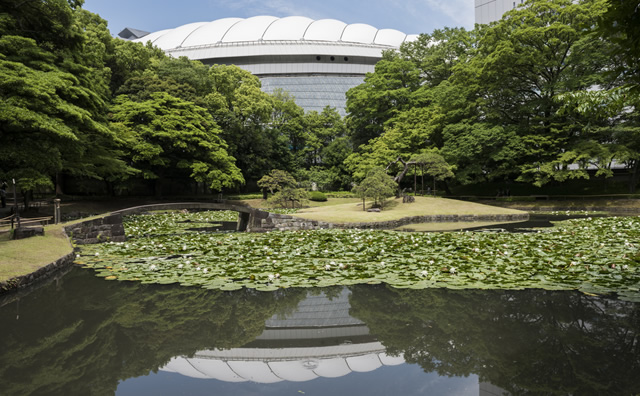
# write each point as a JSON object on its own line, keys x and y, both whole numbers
{"x": 316, "y": 61}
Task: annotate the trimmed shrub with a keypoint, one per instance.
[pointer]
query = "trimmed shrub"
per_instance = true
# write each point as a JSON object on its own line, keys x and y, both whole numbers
{"x": 317, "y": 196}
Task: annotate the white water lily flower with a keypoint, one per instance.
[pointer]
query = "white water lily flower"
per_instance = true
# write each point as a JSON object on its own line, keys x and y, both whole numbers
{"x": 452, "y": 270}
{"x": 77, "y": 256}
{"x": 197, "y": 268}
{"x": 205, "y": 270}
{"x": 97, "y": 254}
{"x": 424, "y": 273}
{"x": 152, "y": 267}
{"x": 271, "y": 277}
{"x": 625, "y": 267}
{"x": 476, "y": 250}
{"x": 431, "y": 262}
{"x": 333, "y": 263}
{"x": 184, "y": 247}
{"x": 277, "y": 276}
{"x": 188, "y": 262}
{"x": 382, "y": 251}
{"x": 327, "y": 267}
{"x": 180, "y": 266}
{"x": 341, "y": 266}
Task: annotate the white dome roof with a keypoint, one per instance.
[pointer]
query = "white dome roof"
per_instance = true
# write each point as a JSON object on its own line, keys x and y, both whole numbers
{"x": 270, "y": 28}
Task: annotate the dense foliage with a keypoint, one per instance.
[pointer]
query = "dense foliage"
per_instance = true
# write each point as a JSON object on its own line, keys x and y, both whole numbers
{"x": 547, "y": 94}
{"x": 496, "y": 101}
{"x": 486, "y": 99}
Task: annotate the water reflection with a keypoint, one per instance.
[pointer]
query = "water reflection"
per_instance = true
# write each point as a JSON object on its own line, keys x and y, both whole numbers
{"x": 318, "y": 339}
{"x": 84, "y": 335}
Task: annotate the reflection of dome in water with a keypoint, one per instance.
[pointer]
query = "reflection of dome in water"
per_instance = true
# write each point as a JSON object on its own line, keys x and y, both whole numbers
{"x": 319, "y": 339}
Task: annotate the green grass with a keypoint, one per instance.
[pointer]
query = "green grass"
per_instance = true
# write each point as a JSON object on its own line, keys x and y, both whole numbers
{"x": 24, "y": 256}
{"x": 352, "y": 212}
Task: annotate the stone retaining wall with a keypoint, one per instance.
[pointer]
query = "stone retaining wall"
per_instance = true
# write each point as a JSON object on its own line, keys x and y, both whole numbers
{"x": 290, "y": 223}
{"x": 20, "y": 282}
{"x": 104, "y": 229}
{"x": 280, "y": 222}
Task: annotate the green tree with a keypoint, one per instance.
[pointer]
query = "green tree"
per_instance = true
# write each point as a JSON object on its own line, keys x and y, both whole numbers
{"x": 377, "y": 185}
{"x": 284, "y": 188}
{"x": 527, "y": 58}
{"x": 170, "y": 137}
{"x": 244, "y": 114}
{"x": 54, "y": 90}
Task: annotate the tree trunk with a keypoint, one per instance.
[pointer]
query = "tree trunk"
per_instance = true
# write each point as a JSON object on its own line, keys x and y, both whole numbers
{"x": 415, "y": 179}
{"x": 633, "y": 178}
{"x": 59, "y": 183}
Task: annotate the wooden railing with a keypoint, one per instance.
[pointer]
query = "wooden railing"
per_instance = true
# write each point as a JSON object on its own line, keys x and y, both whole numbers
{"x": 8, "y": 223}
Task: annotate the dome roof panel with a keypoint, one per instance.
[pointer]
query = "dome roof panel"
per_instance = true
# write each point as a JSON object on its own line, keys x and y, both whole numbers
{"x": 152, "y": 36}
{"x": 217, "y": 369}
{"x": 391, "y": 360}
{"x": 289, "y": 28}
{"x": 359, "y": 33}
{"x": 250, "y": 29}
{"x": 390, "y": 37}
{"x": 364, "y": 363}
{"x": 182, "y": 366}
{"x": 332, "y": 368}
{"x": 210, "y": 33}
{"x": 296, "y": 371}
{"x": 412, "y": 37}
{"x": 254, "y": 371}
{"x": 176, "y": 36}
{"x": 325, "y": 30}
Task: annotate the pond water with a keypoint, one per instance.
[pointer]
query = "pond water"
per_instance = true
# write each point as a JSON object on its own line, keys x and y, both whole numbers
{"x": 81, "y": 335}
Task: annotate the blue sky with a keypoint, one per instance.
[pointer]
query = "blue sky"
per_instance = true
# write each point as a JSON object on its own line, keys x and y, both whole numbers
{"x": 408, "y": 16}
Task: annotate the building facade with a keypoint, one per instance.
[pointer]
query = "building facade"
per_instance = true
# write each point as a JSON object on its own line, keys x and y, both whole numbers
{"x": 316, "y": 61}
{"x": 488, "y": 11}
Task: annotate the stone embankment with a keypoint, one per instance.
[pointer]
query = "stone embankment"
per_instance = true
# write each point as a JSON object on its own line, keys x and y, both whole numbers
{"x": 292, "y": 223}
{"x": 104, "y": 229}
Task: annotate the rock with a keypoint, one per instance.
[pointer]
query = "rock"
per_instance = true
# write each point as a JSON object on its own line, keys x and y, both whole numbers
{"x": 374, "y": 210}
{"x": 26, "y": 232}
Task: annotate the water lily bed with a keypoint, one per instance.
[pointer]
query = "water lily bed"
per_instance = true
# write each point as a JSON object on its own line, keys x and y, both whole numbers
{"x": 596, "y": 256}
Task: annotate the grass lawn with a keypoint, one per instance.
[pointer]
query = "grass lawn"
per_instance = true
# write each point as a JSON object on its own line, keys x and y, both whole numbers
{"x": 25, "y": 256}
{"x": 394, "y": 209}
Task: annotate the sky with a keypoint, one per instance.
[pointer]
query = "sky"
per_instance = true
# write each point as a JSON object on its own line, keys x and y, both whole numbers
{"x": 407, "y": 16}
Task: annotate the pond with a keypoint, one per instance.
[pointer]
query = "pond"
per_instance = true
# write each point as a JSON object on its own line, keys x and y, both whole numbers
{"x": 81, "y": 335}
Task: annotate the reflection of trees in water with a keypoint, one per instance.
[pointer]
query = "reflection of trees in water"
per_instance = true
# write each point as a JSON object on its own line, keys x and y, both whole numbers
{"x": 527, "y": 342}
{"x": 82, "y": 338}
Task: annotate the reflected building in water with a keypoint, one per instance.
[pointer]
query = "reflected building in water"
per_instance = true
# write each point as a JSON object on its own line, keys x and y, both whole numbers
{"x": 318, "y": 339}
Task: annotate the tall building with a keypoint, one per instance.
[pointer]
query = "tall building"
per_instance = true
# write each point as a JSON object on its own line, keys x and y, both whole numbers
{"x": 315, "y": 61}
{"x": 488, "y": 11}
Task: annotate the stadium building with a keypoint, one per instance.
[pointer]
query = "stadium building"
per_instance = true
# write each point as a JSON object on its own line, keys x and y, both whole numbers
{"x": 316, "y": 61}
{"x": 488, "y": 11}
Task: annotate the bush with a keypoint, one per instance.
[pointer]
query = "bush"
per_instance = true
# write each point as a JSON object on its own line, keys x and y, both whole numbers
{"x": 317, "y": 196}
